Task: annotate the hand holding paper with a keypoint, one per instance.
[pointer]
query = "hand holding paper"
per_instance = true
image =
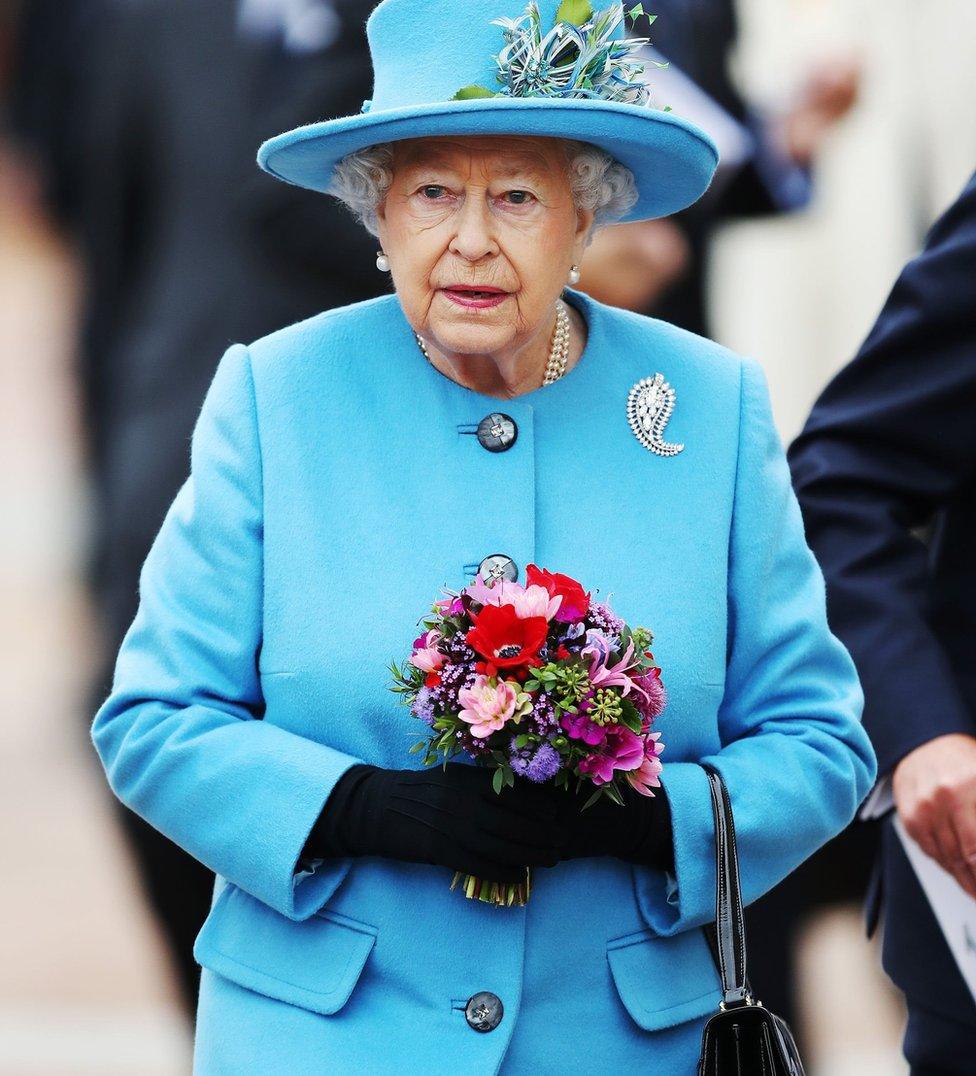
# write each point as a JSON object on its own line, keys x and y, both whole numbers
{"x": 935, "y": 793}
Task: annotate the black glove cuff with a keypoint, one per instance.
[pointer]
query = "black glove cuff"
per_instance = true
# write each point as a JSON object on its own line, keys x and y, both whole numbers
{"x": 654, "y": 838}
{"x": 343, "y": 825}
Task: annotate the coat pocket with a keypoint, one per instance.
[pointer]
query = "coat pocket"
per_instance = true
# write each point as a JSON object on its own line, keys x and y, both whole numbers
{"x": 314, "y": 963}
{"x": 664, "y": 981}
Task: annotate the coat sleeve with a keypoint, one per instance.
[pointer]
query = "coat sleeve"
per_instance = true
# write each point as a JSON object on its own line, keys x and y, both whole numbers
{"x": 793, "y": 753}
{"x": 888, "y": 447}
{"x": 181, "y": 734}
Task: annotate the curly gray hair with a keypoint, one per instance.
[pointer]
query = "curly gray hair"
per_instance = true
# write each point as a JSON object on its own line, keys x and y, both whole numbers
{"x": 599, "y": 182}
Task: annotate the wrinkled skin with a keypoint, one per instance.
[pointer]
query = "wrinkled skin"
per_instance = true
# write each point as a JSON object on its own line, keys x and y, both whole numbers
{"x": 494, "y": 212}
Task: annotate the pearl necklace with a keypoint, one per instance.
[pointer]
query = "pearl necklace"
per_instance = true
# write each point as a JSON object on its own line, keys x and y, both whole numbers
{"x": 558, "y": 350}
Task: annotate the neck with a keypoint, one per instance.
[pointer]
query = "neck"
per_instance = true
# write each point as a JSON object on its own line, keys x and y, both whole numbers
{"x": 511, "y": 373}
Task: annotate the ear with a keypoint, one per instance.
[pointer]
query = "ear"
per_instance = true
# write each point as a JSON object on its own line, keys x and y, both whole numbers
{"x": 381, "y": 228}
{"x": 584, "y": 231}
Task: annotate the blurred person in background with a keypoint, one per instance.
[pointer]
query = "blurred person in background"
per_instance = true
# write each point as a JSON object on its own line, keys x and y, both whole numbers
{"x": 659, "y": 267}
{"x": 885, "y": 470}
{"x": 182, "y": 250}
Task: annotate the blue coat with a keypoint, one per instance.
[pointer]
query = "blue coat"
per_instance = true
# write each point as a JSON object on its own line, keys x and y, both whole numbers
{"x": 336, "y": 486}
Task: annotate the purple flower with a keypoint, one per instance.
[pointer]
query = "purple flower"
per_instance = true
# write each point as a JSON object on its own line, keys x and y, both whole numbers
{"x": 598, "y": 639}
{"x": 537, "y": 764}
{"x": 651, "y": 703}
{"x": 545, "y": 763}
{"x": 543, "y": 717}
{"x": 580, "y": 727}
{"x": 519, "y": 758}
{"x": 602, "y": 616}
{"x": 454, "y": 677}
{"x": 456, "y": 650}
{"x": 474, "y": 745}
{"x": 423, "y": 706}
{"x": 624, "y": 750}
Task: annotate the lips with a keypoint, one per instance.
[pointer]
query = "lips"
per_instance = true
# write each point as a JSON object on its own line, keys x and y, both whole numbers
{"x": 473, "y": 291}
{"x": 473, "y": 296}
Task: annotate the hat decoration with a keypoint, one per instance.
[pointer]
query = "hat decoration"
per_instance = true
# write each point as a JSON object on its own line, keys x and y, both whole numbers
{"x": 542, "y": 69}
{"x": 579, "y": 57}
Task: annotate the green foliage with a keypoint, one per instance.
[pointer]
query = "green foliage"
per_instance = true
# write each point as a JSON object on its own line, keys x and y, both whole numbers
{"x": 629, "y": 715}
{"x": 473, "y": 93}
{"x": 592, "y": 799}
{"x": 577, "y": 12}
{"x": 407, "y": 679}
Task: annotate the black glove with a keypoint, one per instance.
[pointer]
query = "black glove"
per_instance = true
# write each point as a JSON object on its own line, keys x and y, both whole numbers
{"x": 638, "y": 832}
{"x": 449, "y": 815}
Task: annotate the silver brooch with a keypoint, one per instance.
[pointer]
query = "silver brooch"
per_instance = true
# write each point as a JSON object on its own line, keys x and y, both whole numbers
{"x": 649, "y": 406}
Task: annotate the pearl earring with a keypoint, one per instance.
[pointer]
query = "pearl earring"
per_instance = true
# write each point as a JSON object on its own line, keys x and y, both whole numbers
{"x": 382, "y": 262}
{"x": 574, "y": 275}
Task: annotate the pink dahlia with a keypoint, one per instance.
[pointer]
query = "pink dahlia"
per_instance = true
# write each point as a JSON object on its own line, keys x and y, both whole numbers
{"x": 487, "y": 708}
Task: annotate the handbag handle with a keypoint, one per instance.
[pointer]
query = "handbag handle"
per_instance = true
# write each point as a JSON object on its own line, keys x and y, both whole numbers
{"x": 730, "y": 927}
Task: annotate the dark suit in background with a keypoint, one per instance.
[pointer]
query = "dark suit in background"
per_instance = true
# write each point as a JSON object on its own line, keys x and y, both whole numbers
{"x": 889, "y": 452}
{"x": 149, "y": 125}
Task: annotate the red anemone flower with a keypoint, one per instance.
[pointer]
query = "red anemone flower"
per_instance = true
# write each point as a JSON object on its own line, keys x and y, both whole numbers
{"x": 505, "y": 640}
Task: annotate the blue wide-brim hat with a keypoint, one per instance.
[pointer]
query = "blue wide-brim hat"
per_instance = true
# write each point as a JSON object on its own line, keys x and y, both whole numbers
{"x": 426, "y": 52}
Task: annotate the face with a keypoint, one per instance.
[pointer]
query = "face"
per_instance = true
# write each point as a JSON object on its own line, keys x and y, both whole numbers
{"x": 481, "y": 233}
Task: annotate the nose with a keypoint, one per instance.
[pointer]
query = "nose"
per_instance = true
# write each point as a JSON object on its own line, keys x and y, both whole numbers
{"x": 474, "y": 236}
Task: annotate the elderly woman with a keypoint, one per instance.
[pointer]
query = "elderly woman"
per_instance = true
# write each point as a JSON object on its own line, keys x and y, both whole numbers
{"x": 484, "y": 417}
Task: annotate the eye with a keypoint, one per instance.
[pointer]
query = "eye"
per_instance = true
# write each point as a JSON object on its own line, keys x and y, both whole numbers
{"x": 432, "y": 192}
{"x": 518, "y": 197}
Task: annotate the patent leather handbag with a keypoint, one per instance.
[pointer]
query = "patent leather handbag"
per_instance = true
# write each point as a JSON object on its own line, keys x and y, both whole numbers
{"x": 743, "y": 1038}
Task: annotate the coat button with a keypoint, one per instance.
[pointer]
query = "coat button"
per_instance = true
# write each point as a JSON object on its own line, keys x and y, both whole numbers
{"x": 484, "y": 1011}
{"x": 497, "y": 431}
{"x": 498, "y": 566}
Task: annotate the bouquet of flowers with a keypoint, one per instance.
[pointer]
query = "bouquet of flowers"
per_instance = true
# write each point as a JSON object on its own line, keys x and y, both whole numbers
{"x": 539, "y": 682}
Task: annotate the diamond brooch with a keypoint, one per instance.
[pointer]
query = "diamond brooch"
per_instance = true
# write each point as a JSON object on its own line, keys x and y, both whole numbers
{"x": 649, "y": 406}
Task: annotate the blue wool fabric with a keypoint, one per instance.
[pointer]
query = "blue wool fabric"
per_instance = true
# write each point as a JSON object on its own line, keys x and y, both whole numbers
{"x": 336, "y": 487}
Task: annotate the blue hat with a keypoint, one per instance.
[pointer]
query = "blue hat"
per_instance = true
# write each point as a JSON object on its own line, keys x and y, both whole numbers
{"x": 494, "y": 67}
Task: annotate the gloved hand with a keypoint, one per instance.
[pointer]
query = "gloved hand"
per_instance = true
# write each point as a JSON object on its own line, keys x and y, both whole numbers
{"x": 638, "y": 832}
{"x": 449, "y": 815}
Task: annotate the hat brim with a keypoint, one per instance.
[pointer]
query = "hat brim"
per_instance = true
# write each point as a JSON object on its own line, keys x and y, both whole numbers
{"x": 672, "y": 160}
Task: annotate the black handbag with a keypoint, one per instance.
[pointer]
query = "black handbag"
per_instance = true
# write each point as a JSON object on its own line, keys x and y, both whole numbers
{"x": 743, "y": 1038}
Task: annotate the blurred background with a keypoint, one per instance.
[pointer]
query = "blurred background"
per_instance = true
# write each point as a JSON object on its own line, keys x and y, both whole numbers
{"x": 138, "y": 239}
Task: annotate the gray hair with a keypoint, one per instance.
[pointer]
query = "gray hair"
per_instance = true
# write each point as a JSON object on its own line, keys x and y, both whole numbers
{"x": 599, "y": 182}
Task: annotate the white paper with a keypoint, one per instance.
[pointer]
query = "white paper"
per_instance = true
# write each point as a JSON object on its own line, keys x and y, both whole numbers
{"x": 954, "y": 908}
{"x": 671, "y": 86}
{"x": 880, "y": 800}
